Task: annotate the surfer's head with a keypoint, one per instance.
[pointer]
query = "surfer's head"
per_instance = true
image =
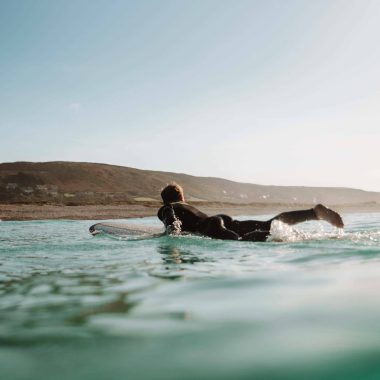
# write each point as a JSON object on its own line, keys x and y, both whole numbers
{"x": 172, "y": 193}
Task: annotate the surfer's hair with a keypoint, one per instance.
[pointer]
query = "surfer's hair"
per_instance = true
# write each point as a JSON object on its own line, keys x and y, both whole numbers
{"x": 172, "y": 193}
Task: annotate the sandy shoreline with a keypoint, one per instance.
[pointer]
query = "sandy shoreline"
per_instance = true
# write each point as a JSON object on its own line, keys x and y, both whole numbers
{"x": 9, "y": 212}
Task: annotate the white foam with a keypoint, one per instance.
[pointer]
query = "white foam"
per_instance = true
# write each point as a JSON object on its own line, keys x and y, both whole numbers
{"x": 174, "y": 228}
{"x": 283, "y": 232}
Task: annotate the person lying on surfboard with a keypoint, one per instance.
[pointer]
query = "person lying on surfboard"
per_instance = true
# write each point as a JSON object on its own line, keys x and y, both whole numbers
{"x": 178, "y": 216}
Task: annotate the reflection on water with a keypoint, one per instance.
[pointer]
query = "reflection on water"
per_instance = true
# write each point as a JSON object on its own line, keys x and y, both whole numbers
{"x": 77, "y": 307}
{"x": 174, "y": 254}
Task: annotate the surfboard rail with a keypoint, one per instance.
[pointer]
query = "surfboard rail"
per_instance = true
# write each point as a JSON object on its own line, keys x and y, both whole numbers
{"x": 126, "y": 229}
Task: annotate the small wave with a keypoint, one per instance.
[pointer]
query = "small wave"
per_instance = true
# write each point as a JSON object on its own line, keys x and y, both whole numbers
{"x": 363, "y": 236}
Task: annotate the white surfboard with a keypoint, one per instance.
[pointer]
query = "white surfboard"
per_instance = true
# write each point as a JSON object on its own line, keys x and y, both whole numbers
{"x": 131, "y": 230}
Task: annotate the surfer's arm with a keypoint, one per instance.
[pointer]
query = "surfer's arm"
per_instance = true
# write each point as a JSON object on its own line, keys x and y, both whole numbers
{"x": 167, "y": 215}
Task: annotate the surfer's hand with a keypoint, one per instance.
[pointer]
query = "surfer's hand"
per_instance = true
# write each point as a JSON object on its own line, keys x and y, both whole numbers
{"x": 175, "y": 228}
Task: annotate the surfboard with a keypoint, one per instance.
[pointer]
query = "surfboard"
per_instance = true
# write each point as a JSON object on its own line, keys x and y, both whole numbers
{"x": 128, "y": 230}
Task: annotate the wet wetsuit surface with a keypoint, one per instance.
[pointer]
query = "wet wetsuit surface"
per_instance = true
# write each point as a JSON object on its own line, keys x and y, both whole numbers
{"x": 224, "y": 227}
{"x": 218, "y": 226}
{"x": 189, "y": 216}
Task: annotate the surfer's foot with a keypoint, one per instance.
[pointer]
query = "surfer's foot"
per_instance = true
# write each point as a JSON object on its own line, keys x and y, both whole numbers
{"x": 93, "y": 230}
{"x": 324, "y": 213}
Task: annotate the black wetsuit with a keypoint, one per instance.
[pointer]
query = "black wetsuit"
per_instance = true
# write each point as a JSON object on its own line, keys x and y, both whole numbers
{"x": 224, "y": 227}
{"x": 218, "y": 226}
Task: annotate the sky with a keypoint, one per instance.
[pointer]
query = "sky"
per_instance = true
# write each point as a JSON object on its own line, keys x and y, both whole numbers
{"x": 271, "y": 92}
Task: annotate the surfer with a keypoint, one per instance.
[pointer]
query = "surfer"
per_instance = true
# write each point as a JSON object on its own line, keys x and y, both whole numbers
{"x": 178, "y": 216}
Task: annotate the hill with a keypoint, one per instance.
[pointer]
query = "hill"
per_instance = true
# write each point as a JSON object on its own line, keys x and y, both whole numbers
{"x": 90, "y": 183}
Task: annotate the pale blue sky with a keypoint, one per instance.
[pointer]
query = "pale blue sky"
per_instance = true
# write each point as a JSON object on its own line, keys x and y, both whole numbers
{"x": 273, "y": 92}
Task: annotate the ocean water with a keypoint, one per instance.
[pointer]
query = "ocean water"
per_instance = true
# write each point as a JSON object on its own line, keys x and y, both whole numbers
{"x": 305, "y": 305}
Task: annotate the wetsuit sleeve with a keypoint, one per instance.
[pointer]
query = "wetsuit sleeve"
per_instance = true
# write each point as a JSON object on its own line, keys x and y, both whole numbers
{"x": 167, "y": 216}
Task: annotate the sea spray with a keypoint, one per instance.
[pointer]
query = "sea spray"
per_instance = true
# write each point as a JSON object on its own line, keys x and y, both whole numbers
{"x": 282, "y": 232}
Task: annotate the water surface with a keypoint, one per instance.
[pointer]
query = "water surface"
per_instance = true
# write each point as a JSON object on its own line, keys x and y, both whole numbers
{"x": 73, "y": 306}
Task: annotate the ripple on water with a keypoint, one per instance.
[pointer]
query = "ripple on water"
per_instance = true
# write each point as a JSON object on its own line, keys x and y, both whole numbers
{"x": 190, "y": 307}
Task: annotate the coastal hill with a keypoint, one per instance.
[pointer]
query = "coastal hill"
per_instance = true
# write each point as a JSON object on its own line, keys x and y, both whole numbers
{"x": 75, "y": 183}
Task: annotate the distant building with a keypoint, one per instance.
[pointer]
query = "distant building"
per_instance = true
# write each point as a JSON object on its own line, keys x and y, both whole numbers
{"x": 27, "y": 190}
{"x": 51, "y": 190}
{"x": 53, "y": 193}
{"x": 11, "y": 186}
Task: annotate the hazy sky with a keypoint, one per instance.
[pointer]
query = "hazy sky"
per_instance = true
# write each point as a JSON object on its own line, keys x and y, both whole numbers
{"x": 271, "y": 92}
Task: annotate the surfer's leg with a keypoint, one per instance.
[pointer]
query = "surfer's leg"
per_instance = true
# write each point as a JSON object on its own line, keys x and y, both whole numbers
{"x": 319, "y": 212}
{"x": 324, "y": 213}
{"x": 249, "y": 230}
{"x": 243, "y": 227}
{"x": 214, "y": 227}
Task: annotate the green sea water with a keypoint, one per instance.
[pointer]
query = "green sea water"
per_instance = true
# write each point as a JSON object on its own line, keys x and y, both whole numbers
{"x": 305, "y": 305}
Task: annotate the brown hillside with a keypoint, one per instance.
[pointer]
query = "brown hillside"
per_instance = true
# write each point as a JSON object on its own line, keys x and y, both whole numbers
{"x": 83, "y": 183}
